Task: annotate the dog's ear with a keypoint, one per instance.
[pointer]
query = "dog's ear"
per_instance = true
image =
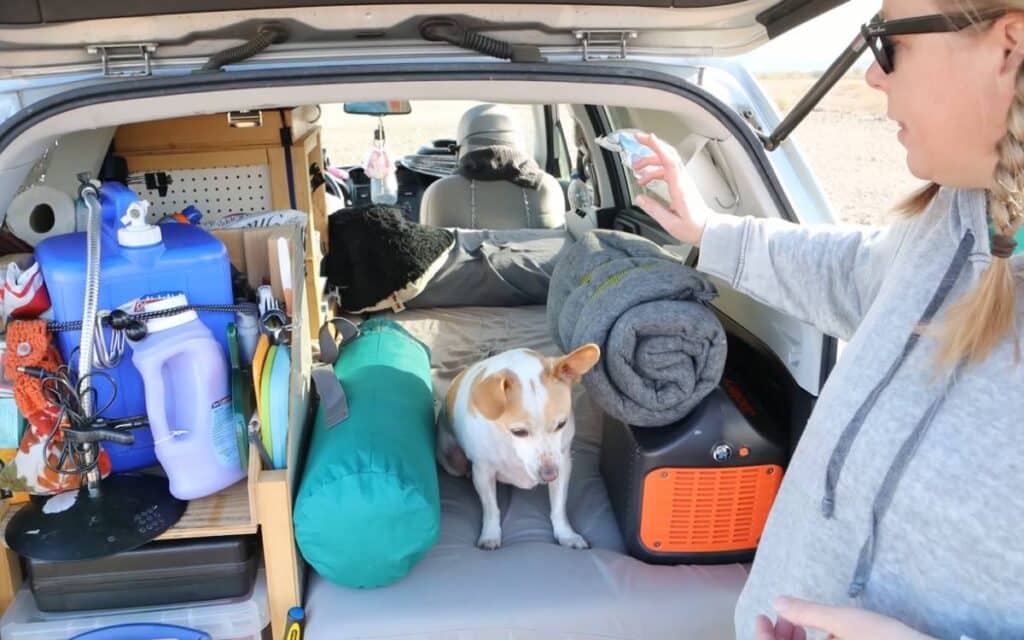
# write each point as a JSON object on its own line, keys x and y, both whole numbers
{"x": 490, "y": 395}
{"x": 570, "y": 368}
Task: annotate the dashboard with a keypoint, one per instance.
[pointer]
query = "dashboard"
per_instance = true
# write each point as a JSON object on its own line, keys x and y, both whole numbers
{"x": 411, "y": 186}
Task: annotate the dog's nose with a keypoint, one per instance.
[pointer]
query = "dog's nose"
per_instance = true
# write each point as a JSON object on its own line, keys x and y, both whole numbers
{"x": 548, "y": 473}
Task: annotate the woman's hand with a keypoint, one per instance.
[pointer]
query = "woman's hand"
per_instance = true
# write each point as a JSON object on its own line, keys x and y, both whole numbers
{"x": 782, "y": 630}
{"x": 685, "y": 220}
{"x": 841, "y": 623}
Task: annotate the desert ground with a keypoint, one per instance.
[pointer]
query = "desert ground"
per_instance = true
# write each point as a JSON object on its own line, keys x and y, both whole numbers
{"x": 850, "y": 145}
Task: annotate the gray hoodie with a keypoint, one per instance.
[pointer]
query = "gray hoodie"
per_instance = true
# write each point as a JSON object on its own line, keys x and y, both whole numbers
{"x": 906, "y": 492}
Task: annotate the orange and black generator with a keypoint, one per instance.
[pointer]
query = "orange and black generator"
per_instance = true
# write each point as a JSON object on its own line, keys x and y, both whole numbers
{"x": 697, "y": 491}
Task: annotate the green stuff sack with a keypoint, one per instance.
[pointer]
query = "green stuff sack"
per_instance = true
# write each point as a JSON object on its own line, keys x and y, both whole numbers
{"x": 368, "y": 507}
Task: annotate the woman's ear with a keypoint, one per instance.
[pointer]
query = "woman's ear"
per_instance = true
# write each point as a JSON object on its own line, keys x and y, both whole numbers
{"x": 1010, "y": 30}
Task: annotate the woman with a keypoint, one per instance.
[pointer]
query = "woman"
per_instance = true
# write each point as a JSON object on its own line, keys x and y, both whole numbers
{"x": 902, "y": 511}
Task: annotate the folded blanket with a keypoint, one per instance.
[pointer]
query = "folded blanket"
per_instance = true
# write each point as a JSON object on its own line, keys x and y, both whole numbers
{"x": 663, "y": 349}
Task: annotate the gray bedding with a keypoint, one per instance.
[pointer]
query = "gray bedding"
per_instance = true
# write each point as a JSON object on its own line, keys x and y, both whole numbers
{"x": 531, "y": 588}
{"x": 663, "y": 349}
{"x": 491, "y": 268}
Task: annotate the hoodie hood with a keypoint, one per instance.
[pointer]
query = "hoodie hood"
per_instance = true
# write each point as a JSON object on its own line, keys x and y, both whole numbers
{"x": 971, "y": 213}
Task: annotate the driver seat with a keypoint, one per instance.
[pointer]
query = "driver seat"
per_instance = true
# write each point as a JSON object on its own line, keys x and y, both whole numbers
{"x": 457, "y": 201}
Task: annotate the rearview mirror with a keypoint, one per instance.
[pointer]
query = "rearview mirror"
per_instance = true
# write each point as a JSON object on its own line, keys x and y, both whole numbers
{"x": 382, "y": 108}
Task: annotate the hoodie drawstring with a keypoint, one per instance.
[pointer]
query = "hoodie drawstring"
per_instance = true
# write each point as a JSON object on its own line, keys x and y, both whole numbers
{"x": 852, "y": 429}
{"x": 892, "y": 479}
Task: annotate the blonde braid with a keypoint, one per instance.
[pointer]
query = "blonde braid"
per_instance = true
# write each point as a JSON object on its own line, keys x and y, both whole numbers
{"x": 1006, "y": 198}
{"x": 987, "y": 314}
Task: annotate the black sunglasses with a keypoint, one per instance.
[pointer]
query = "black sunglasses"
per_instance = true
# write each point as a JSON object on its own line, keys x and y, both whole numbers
{"x": 878, "y": 33}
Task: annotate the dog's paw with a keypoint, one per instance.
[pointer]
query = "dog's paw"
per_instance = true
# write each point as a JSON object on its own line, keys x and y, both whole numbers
{"x": 573, "y": 540}
{"x": 488, "y": 543}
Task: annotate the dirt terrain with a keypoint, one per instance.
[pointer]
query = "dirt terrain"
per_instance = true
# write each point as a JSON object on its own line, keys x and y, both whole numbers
{"x": 850, "y": 145}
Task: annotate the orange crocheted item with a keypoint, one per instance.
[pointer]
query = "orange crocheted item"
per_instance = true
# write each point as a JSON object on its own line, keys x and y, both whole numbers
{"x": 29, "y": 344}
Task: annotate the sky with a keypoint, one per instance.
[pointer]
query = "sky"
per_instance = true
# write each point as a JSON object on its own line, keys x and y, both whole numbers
{"x": 814, "y": 45}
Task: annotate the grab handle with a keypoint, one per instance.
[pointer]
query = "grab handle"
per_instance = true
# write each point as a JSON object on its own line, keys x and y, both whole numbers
{"x": 156, "y": 403}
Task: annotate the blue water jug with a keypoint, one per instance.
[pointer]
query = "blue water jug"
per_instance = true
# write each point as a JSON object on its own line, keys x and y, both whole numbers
{"x": 136, "y": 259}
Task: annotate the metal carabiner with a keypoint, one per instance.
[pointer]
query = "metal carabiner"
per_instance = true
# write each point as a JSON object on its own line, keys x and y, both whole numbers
{"x": 275, "y": 324}
{"x": 106, "y": 357}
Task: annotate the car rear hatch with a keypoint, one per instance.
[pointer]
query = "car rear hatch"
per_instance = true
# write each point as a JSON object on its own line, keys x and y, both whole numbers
{"x": 52, "y": 37}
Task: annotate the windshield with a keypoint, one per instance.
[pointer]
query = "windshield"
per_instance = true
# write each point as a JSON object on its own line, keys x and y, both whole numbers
{"x": 348, "y": 137}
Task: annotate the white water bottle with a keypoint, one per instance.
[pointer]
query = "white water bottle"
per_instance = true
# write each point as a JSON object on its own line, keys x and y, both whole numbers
{"x": 580, "y": 195}
{"x": 247, "y": 325}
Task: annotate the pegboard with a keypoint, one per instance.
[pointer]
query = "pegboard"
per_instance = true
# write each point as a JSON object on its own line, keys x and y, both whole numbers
{"x": 216, "y": 192}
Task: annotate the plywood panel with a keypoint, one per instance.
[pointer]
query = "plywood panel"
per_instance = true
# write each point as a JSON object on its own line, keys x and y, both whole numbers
{"x": 195, "y": 160}
{"x": 280, "y": 556}
{"x": 195, "y": 133}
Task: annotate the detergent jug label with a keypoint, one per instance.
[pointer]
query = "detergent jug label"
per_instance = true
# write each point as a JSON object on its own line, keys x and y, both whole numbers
{"x": 225, "y": 444}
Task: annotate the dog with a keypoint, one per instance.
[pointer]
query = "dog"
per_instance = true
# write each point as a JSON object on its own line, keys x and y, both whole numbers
{"x": 509, "y": 419}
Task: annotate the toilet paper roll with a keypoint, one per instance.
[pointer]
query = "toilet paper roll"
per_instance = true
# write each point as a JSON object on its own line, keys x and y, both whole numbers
{"x": 40, "y": 212}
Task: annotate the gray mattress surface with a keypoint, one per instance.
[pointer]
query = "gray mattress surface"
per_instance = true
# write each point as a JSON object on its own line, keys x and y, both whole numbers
{"x": 530, "y": 587}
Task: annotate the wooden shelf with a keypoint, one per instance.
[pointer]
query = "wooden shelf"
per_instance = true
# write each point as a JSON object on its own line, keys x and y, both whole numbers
{"x": 262, "y": 504}
{"x": 225, "y": 513}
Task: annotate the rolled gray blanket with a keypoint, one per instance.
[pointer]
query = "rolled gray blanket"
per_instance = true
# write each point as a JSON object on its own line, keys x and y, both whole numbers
{"x": 663, "y": 349}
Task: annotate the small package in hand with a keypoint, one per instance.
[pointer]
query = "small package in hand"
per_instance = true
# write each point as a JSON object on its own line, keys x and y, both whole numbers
{"x": 624, "y": 143}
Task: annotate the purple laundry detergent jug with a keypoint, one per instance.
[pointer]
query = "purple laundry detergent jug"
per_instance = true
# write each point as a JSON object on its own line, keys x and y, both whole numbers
{"x": 188, "y": 399}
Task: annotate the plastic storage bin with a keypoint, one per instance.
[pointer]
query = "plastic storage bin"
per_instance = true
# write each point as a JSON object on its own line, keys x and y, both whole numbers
{"x": 163, "y": 573}
{"x": 238, "y": 619}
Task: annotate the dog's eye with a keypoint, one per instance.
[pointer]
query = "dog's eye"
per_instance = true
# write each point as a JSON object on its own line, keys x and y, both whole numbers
{"x": 520, "y": 433}
{"x": 560, "y": 426}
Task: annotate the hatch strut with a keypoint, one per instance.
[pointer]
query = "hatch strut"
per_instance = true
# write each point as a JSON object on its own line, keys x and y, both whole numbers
{"x": 814, "y": 95}
{"x": 267, "y": 35}
{"x": 450, "y": 31}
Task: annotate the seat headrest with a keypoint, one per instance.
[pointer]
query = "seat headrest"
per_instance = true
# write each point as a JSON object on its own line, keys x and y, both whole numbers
{"x": 487, "y": 125}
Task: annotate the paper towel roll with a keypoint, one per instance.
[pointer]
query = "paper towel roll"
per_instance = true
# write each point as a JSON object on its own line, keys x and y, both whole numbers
{"x": 40, "y": 212}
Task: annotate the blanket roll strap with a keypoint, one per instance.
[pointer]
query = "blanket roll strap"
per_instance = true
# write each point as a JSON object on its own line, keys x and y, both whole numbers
{"x": 368, "y": 506}
{"x": 663, "y": 349}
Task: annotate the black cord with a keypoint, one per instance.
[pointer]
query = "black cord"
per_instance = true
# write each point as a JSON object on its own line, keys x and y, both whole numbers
{"x": 76, "y": 325}
{"x": 267, "y": 35}
{"x": 59, "y": 390}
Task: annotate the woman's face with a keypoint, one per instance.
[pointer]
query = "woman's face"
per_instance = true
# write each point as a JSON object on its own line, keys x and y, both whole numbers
{"x": 950, "y": 93}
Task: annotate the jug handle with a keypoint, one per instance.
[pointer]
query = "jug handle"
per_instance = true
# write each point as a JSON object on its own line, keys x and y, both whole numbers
{"x": 155, "y": 386}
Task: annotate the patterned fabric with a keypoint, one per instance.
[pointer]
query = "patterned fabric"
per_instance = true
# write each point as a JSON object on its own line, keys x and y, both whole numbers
{"x": 30, "y": 344}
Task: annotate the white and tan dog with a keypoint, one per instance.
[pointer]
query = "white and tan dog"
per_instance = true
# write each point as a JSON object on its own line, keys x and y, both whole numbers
{"x": 509, "y": 419}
